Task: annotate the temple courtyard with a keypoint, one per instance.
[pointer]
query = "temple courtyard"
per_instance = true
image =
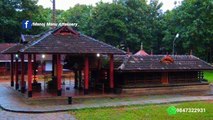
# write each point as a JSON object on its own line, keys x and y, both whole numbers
{"x": 14, "y": 106}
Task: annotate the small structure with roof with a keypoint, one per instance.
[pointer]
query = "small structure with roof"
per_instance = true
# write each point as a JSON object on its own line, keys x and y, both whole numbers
{"x": 142, "y": 52}
{"x": 57, "y": 42}
{"x": 160, "y": 70}
{"x": 5, "y": 59}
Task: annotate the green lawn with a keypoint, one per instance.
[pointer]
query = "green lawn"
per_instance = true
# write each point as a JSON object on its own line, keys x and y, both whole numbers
{"x": 148, "y": 112}
{"x": 208, "y": 75}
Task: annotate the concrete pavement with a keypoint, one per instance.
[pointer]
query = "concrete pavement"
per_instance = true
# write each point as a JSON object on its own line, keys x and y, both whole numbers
{"x": 11, "y": 100}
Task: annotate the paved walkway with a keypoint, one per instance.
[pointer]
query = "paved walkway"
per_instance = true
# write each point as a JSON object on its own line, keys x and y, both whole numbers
{"x": 9, "y": 97}
{"x": 11, "y": 101}
{"x": 4, "y": 115}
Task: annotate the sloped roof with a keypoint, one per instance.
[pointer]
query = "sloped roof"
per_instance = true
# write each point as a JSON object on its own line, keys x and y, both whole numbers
{"x": 7, "y": 57}
{"x": 14, "y": 49}
{"x": 154, "y": 63}
{"x": 4, "y": 46}
{"x": 64, "y": 40}
{"x": 142, "y": 53}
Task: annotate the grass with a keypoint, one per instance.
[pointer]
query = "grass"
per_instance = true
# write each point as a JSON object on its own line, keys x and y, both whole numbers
{"x": 148, "y": 112}
{"x": 208, "y": 75}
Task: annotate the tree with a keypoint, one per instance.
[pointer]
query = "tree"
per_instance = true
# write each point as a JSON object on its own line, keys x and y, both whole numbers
{"x": 144, "y": 24}
{"x": 193, "y": 21}
{"x": 108, "y": 23}
{"x": 80, "y": 14}
{"x": 12, "y": 12}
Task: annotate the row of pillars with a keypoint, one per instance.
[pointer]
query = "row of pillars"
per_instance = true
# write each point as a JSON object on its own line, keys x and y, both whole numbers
{"x": 56, "y": 65}
{"x": 15, "y": 71}
{"x": 86, "y": 73}
{"x": 16, "y": 67}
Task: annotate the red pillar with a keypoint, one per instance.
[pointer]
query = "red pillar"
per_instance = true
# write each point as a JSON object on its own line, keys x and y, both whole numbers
{"x": 30, "y": 75}
{"x": 86, "y": 75}
{"x": 111, "y": 72}
{"x": 12, "y": 70}
{"x": 34, "y": 67}
{"x": 59, "y": 73}
{"x": 22, "y": 74}
{"x": 16, "y": 76}
{"x": 164, "y": 78}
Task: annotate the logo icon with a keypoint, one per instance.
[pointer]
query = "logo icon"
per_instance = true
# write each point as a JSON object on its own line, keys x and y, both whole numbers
{"x": 171, "y": 110}
{"x": 26, "y": 24}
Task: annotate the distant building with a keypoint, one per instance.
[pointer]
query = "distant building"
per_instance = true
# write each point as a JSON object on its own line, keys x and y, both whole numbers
{"x": 5, "y": 58}
{"x": 141, "y": 52}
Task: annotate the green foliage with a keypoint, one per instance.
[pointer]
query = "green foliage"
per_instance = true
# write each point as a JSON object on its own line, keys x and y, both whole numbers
{"x": 12, "y": 12}
{"x": 208, "y": 75}
{"x": 193, "y": 21}
{"x": 150, "y": 112}
{"x": 108, "y": 23}
{"x": 80, "y": 14}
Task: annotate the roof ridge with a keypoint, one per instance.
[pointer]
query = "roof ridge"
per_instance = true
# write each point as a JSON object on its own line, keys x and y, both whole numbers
{"x": 2, "y": 52}
{"x": 126, "y": 59}
{"x": 35, "y": 42}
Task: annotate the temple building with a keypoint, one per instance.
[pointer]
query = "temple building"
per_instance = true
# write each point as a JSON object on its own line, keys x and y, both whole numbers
{"x": 97, "y": 66}
{"x": 155, "y": 70}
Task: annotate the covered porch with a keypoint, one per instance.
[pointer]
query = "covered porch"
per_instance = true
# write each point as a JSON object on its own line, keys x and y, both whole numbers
{"x": 59, "y": 42}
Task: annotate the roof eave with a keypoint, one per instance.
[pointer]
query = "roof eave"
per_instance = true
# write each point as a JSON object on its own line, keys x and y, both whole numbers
{"x": 168, "y": 70}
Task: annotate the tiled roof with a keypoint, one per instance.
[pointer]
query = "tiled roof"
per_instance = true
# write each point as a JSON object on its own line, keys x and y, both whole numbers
{"x": 26, "y": 40}
{"x": 119, "y": 59}
{"x": 7, "y": 57}
{"x": 14, "y": 49}
{"x": 4, "y": 46}
{"x": 141, "y": 52}
{"x": 69, "y": 42}
{"x": 154, "y": 63}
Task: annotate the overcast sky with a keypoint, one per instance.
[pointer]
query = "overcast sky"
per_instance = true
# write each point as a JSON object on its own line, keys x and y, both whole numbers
{"x": 66, "y": 4}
